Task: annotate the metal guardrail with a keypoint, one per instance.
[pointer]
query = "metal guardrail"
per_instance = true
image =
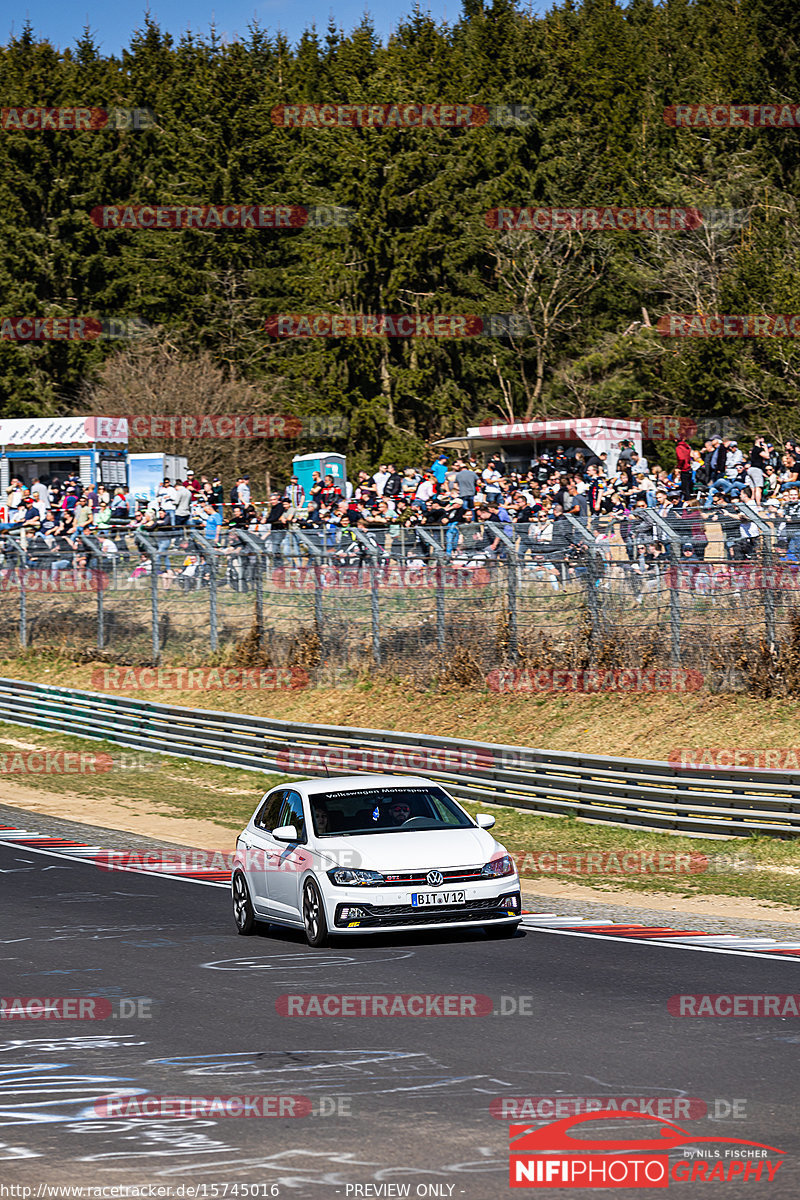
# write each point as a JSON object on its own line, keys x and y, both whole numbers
{"x": 639, "y": 793}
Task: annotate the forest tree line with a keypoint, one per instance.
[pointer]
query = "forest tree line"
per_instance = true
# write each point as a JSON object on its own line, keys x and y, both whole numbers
{"x": 597, "y": 77}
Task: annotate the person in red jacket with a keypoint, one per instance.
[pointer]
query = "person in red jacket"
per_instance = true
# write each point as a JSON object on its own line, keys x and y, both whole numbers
{"x": 683, "y": 452}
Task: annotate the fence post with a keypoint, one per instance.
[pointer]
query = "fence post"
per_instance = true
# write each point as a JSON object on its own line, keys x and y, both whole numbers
{"x": 513, "y": 560}
{"x": 93, "y": 544}
{"x": 441, "y": 559}
{"x": 258, "y": 549}
{"x": 209, "y": 555}
{"x": 20, "y": 552}
{"x": 152, "y": 553}
{"x": 767, "y": 532}
{"x": 587, "y": 540}
{"x": 374, "y": 604}
{"x": 674, "y": 541}
{"x": 315, "y": 554}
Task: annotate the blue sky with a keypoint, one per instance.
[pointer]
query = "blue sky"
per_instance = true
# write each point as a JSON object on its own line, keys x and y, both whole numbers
{"x": 113, "y": 23}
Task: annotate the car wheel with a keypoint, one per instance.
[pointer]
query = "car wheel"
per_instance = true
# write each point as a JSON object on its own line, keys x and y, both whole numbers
{"x": 500, "y": 931}
{"x": 314, "y": 922}
{"x": 243, "y": 913}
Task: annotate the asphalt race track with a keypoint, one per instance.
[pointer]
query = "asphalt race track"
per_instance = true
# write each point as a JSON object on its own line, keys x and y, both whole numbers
{"x": 395, "y": 1101}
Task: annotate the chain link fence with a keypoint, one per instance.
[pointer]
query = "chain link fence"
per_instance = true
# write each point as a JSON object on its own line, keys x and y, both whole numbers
{"x": 710, "y": 591}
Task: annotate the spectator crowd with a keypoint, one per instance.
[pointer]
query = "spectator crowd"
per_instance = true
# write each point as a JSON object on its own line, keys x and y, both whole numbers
{"x": 549, "y": 515}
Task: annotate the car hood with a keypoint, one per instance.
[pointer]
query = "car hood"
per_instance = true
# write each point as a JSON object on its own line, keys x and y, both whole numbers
{"x": 418, "y": 849}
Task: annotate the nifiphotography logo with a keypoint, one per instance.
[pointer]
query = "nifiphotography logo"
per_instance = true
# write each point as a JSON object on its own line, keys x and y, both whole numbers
{"x": 552, "y": 1157}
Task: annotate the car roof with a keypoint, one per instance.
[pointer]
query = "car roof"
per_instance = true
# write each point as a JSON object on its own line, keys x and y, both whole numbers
{"x": 353, "y": 783}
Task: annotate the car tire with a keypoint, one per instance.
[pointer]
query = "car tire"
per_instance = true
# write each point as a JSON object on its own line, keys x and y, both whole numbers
{"x": 314, "y": 923}
{"x": 500, "y": 931}
{"x": 243, "y": 913}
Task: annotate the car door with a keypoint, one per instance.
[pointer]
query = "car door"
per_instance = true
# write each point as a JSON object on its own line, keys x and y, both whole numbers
{"x": 260, "y": 845}
{"x": 288, "y": 861}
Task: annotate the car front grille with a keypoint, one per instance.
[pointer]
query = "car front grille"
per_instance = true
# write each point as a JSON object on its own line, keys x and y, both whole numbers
{"x": 461, "y": 875}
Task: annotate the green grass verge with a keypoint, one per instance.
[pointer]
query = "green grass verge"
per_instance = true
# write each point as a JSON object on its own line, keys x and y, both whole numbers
{"x": 758, "y": 868}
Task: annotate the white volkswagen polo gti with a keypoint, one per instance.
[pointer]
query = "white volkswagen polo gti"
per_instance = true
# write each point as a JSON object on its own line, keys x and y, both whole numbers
{"x": 355, "y": 854}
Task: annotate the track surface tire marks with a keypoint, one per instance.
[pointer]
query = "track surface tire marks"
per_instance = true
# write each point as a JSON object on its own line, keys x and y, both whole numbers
{"x": 419, "y": 1088}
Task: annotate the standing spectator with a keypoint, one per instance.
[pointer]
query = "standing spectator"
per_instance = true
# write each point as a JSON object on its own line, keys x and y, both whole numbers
{"x": 167, "y": 498}
{"x": 759, "y": 458}
{"x": 183, "y": 503}
{"x": 211, "y": 523}
{"x": 217, "y": 494}
{"x": 683, "y": 453}
{"x": 733, "y": 459}
{"x": 40, "y": 495}
{"x": 243, "y": 489}
{"x": 193, "y": 484}
{"x": 295, "y": 494}
{"x": 466, "y": 483}
{"x": 379, "y": 479}
{"x": 717, "y": 459}
{"x": 393, "y": 485}
{"x": 439, "y": 470}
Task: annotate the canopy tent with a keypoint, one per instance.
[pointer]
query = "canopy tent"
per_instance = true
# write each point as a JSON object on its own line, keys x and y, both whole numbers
{"x": 520, "y": 442}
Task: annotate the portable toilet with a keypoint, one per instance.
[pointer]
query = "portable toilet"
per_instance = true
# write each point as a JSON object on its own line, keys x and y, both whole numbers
{"x": 304, "y": 466}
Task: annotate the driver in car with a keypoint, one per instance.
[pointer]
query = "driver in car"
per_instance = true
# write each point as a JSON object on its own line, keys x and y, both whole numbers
{"x": 321, "y": 821}
{"x": 399, "y": 812}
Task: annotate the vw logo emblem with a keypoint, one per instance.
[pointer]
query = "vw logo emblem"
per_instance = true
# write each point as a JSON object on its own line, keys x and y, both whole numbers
{"x": 434, "y": 878}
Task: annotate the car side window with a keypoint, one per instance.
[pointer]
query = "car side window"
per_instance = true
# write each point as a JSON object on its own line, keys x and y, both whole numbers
{"x": 292, "y": 814}
{"x": 269, "y": 814}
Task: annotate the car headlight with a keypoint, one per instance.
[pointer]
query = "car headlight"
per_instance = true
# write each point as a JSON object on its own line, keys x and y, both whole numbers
{"x": 350, "y": 877}
{"x": 499, "y": 866}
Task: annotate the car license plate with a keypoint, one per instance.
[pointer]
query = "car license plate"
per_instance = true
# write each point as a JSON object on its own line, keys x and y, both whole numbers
{"x": 432, "y": 899}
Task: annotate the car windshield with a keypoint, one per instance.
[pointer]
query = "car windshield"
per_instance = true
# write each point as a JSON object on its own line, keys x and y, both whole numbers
{"x": 384, "y": 810}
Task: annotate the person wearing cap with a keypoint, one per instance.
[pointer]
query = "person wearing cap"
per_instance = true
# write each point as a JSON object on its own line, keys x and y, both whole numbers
{"x": 194, "y": 484}
{"x": 218, "y": 495}
{"x": 719, "y": 457}
{"x": 295, "y": 494}
{"x": 733, "y": 459}
{"x": 439, "y": 469}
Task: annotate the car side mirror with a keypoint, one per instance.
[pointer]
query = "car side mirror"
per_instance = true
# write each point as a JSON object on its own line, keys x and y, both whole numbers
{"x": 483, "y": 821}
{"x": 288, "y": 833}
